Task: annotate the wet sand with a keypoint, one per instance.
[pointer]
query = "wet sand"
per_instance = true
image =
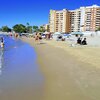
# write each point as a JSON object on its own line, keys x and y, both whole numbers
{"x": 70, "y": 73}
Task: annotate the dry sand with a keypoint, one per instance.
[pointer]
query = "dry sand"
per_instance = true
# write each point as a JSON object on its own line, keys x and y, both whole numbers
{"x": 71, "y": 73}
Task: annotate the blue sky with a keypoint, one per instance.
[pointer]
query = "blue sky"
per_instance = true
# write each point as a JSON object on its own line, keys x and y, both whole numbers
{"x": 35, "y": 12}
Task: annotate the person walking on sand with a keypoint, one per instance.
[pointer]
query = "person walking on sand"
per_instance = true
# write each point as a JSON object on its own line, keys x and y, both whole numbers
{"x": 40, "y": 37}
{"x": 36, "y": 37}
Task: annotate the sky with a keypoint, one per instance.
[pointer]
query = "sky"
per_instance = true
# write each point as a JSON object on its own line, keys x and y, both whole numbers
{"x": 36, "y": 12}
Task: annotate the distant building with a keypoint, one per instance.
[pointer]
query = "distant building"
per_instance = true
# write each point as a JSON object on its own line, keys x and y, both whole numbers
{"x": 82, "y": 19}
{"x": 46, "y": 27}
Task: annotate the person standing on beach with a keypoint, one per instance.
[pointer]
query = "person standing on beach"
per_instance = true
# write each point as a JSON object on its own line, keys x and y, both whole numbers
{"x": 16, "y": 35}
{"x": 40, "y": 37}
{"x": 36, "y": 37}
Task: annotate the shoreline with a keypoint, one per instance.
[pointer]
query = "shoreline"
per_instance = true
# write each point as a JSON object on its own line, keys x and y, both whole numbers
{"x": 67, "y": 75}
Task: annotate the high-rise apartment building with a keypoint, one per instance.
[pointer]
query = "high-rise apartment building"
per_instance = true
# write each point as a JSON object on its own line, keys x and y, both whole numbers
{"x": 82, "y": 19}
{"x": 75, "y": 20}
{"x": 59, "y": 21}
{"x": 90, "y": 18}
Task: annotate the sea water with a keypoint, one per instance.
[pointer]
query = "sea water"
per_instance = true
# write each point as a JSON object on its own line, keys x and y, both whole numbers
{"x": 20, "y": 77}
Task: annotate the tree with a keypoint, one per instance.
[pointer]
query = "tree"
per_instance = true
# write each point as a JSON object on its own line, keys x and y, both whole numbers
{"x": 29, "y": 28}
{"x": 5, "y": 29}
{"x": 0, "y": 29}
{"x": 27, "y": 24}
{"x": 42, "y": 29}
{"x": 19, "y": 28}
{"x": 35, "y": 28}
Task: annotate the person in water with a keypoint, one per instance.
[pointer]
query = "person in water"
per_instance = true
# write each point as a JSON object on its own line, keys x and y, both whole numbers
{"x": 2, "y": 42}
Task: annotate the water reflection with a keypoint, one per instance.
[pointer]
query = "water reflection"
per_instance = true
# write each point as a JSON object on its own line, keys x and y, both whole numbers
{"x": 1, "y": 59}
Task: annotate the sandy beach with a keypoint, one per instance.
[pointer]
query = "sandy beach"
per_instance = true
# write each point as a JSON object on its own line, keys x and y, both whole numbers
{"x": 71, "y": 73}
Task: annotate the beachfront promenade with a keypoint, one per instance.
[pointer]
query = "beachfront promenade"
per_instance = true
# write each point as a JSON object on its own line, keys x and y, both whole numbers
{"x": 71, "y": 73}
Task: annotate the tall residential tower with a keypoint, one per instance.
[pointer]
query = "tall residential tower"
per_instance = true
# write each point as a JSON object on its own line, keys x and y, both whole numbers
{"x": 82, "y": 19}
{"x": 59, "y": 21}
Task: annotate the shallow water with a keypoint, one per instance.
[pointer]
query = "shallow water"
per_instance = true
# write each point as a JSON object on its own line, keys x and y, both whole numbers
{"x": 20, "y": 77}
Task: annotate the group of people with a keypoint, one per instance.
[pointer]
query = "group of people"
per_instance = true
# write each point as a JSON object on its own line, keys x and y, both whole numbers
{"x": 38, "y": 37}
{"x": 48, "y": 36}
{"x": 81, "y": 41}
